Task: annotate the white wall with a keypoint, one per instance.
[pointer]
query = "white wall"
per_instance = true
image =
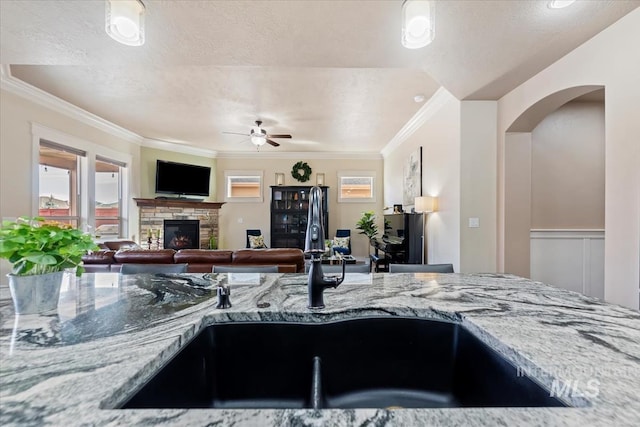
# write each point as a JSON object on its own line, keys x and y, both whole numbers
{"x": 16, "y": 154}
{"x": 566, "y": 198}
{"x": 257, "y": 214}
{"x": 478, "y": 165}
{"x": 439, "y": 137}
{"x": 611, "y": 59}
{"x": 517, "y": 203}
{"x": 554, "y": 179}
{"x": 567, "y": 168}
{"x": 148, "y": 158}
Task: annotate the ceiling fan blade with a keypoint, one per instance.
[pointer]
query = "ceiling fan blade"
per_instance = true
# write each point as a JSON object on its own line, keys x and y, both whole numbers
{"x": 237, "y": 133}
{"x": 275, "y": 144}
{"x": 279, "y": 136}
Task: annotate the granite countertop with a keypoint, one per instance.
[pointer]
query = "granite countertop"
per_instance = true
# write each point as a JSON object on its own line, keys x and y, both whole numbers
{"x": 112, "y": 333}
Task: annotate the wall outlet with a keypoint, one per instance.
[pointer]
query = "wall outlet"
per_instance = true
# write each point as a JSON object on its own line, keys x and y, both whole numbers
{"x": 240, "y": 220}
{"x": 474, "y": 222}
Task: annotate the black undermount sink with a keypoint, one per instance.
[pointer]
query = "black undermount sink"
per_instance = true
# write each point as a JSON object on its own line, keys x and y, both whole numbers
{"x": 378, "y": 362}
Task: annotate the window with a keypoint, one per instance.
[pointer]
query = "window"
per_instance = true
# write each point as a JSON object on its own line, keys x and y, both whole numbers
{"x": 243, "y": 186}
{"x": 59, "y": 183}
{"x": 79, "y": 183}
{"x": 108, "y": 197}
{"x": 356, "y": 187}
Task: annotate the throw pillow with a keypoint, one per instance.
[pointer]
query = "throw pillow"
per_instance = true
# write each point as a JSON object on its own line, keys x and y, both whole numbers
{"x": 341, "y": 242}
{"x": 256, "y": 242}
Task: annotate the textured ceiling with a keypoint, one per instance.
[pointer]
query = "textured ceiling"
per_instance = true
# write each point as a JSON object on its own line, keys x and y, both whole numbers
{"x": 331, "y": 73}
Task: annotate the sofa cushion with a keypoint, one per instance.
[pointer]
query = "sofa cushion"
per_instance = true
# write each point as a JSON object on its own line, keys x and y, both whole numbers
{"x": 274, "y": 256}
{"x": 160, "y": 256}
{"x": 99, "y": 257}
{"x": 117, "y": 245}
{"x": 203, "y": 256}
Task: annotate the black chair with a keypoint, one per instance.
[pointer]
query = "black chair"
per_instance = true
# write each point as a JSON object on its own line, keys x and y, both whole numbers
{"x": 153, "y": 268}
{"x": 254, "y": 232}
{"x": 420, "y": 268}
{"x": 341, "y": 250}
{"x": 231, "y": 269}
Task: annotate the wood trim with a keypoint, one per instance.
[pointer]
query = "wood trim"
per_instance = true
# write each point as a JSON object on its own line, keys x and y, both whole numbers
{"x": 174, "y": 203}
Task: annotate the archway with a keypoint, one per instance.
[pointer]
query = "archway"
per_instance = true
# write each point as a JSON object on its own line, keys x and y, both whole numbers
{"x": 547, "y": 208}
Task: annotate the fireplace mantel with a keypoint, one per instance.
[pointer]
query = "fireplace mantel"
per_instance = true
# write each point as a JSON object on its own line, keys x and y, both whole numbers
{"x": 177, "y": 203}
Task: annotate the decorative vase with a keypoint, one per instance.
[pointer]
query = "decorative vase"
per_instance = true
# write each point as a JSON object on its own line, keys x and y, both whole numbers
{"x": 35, "y": 294}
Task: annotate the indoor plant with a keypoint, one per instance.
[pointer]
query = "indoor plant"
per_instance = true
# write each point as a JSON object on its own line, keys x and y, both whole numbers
{"x": 367, "y": 226}
{"x": 39, "y": 252}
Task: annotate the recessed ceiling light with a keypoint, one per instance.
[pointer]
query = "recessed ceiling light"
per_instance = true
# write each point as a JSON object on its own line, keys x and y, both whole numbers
{"x": 559, "y": 4}
{"x": 419, "y": 98}
{"x": 417, "y": 23}
{"x": 125, "y": 21}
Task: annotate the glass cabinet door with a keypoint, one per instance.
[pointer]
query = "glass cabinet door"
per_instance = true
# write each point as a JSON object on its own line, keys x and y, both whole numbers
{"x": 289, "y": 212}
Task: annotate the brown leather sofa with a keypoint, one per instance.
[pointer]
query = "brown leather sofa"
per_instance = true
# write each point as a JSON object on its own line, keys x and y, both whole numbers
{"x": 288, "y": 260}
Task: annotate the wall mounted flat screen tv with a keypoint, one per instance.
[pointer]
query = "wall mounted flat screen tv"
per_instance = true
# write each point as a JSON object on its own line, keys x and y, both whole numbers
{"x": 181, "y": 178}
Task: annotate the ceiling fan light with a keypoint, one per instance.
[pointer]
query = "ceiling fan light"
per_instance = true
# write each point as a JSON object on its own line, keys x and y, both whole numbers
{"x": 124, "y": 21}
{"x": 418, "y": 23}
{"x": 559, "y": 4}
{"x": 258, "y": 140}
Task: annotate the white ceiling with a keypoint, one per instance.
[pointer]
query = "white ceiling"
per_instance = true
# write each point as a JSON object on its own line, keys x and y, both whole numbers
{"x": 331, "y": 73}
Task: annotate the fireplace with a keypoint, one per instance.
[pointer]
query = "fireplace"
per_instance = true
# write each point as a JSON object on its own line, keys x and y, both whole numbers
{"x": 181, "y": 234}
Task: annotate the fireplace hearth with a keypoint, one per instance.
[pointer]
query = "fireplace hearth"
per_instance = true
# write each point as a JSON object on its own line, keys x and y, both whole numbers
{"x": 181, "y": 234}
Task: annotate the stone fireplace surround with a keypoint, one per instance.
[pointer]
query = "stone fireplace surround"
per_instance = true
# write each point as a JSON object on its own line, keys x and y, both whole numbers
{"x": 153, "y": 212}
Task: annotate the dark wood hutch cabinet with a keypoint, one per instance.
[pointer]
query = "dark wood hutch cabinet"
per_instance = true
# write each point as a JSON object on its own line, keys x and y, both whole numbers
{"x": 289, "y": 211}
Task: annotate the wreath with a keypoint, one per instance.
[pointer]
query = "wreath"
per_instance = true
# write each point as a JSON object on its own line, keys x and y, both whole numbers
{"x": 301, "y": 171}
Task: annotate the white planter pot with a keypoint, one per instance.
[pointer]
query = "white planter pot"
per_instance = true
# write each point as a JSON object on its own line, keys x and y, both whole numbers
{"x": 35, "y": 294}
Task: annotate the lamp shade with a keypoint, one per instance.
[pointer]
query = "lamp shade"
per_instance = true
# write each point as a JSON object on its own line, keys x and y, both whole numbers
{"x": 418, "y": 23}
{"x": 124, "y": 21}
{"x": 425, "y": 204}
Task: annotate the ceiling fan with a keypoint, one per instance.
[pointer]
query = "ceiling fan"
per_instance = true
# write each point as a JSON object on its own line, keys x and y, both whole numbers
{"x": 259, "y": 136}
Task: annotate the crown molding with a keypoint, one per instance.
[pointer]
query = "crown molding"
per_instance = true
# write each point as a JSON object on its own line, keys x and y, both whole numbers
{"x": 428, "y": 110}
{"x": 31, "y": 93}
{"x": 178, "y": 148}
{"x": 338, "y": 155}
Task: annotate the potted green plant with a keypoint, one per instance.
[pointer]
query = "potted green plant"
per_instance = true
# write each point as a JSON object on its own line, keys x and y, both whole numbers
{"x": 367, "y": 226}
{"x": 40, "y": 252}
